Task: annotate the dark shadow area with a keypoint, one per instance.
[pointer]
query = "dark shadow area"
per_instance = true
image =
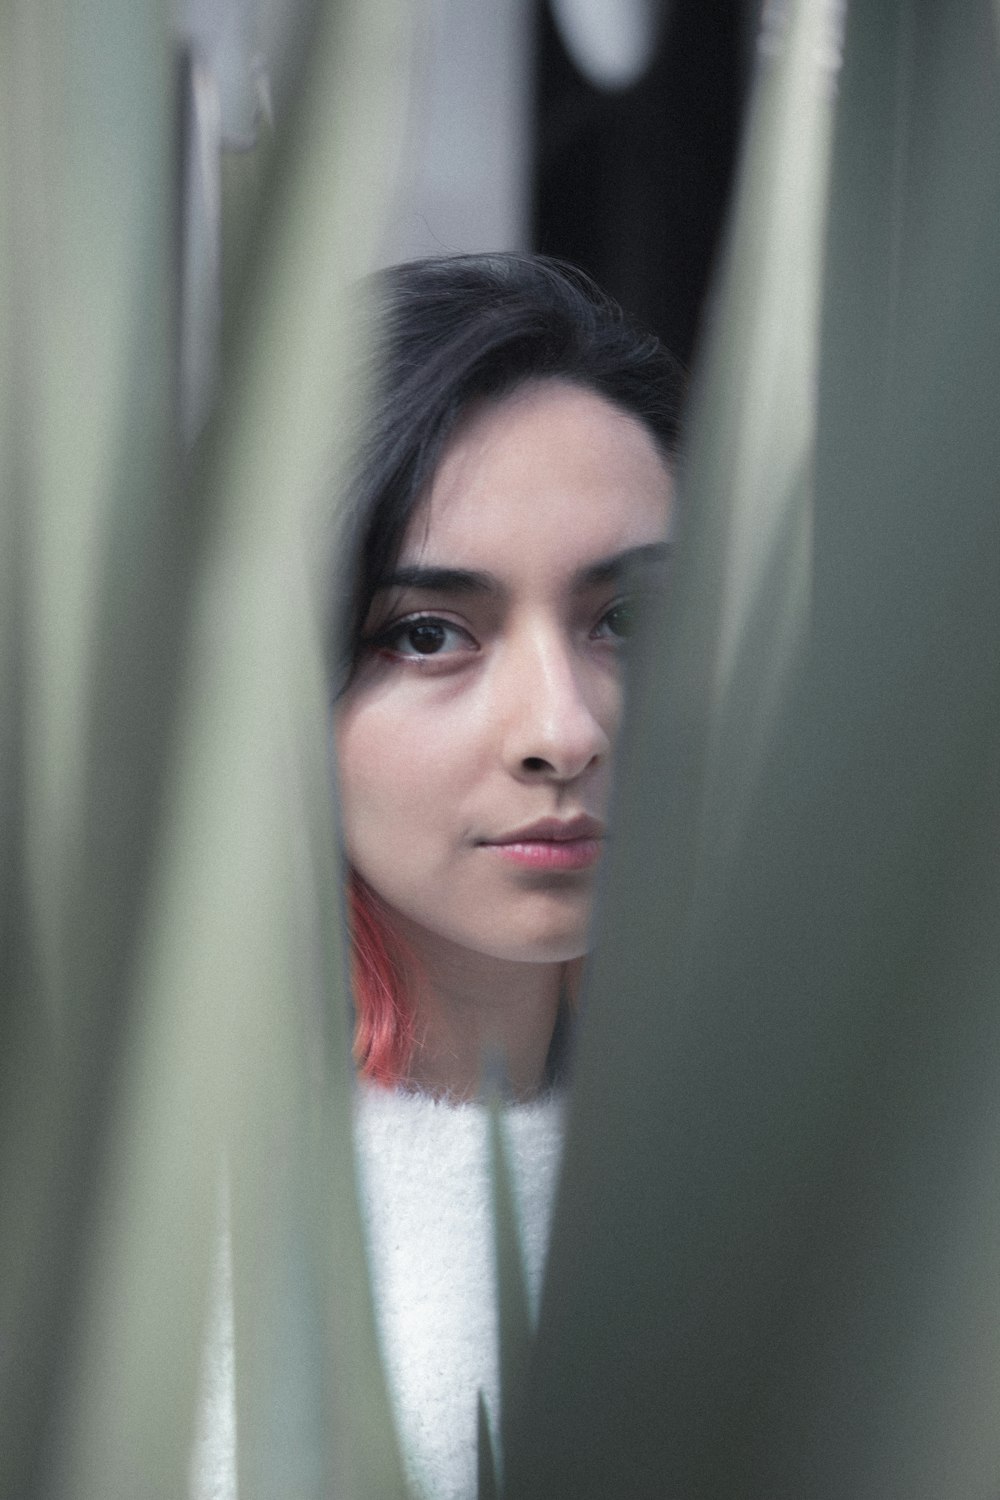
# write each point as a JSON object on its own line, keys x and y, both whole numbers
{"x": 633, "y": 185}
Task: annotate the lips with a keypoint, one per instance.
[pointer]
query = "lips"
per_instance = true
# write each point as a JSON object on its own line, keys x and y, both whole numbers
{"x": 552, "y": 844}
{"x": 553, "y": 831}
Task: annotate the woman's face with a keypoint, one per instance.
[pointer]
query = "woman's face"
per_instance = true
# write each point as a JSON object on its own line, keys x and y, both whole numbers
{"x": 475, "y": 742}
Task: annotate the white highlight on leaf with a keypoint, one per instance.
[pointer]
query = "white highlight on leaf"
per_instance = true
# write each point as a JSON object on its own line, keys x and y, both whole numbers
{"x": 828, "y": 46}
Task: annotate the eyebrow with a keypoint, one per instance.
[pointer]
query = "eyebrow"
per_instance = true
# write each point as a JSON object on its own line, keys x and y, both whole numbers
{"x": 610, "y": 569}
{"x": 440, "y": 580}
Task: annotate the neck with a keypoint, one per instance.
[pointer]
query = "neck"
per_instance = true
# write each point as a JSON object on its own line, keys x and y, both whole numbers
{"x": 471, "y": 1009}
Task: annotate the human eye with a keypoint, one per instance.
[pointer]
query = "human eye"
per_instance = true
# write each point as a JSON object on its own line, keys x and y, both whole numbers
{"x": 420, "y": 637}
{"x": 619, "y": 623}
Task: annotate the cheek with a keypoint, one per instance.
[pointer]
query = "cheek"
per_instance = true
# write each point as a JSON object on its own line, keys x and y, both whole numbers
{"x": 395, "y": 775}
{"x": 369, "y": 774}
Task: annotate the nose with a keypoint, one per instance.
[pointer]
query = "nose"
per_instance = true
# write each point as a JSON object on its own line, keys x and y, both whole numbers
{"x": 559, "y": 713}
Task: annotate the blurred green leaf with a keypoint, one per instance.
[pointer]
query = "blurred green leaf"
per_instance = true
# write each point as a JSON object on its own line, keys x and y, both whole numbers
{"x": 774, "y": 1260}
{"x": 87, "y": 406}
{"x": 179, "y": 859}
{"x": 486, "y": 1476}
{"x": 512, "y": 1287}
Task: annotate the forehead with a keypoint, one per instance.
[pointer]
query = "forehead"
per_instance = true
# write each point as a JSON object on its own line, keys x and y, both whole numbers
{"x": 550, "y": 477}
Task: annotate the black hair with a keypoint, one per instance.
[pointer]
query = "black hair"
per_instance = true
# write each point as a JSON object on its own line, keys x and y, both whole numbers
{"x": 456, "y": 329}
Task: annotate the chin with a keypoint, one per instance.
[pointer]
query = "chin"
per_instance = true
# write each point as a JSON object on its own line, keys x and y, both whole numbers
{"x": 543, "y": 937}
{"x": 539, "y": 933}
{"x": 540, "y": 948}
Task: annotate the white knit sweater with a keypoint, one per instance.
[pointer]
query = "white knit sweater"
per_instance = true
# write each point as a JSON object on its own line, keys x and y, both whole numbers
{"x": 426, "y": 1200}
{"x": 425, "y": 1189}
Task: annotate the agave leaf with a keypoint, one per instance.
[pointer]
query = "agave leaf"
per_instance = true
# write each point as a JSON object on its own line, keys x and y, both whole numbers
{"x": 24, "y": 1138}
{"x": 907, "y": 649}
{"x": 745, "y": 522}
{"x": 512, "y": 1286}
{"x": 608, "y": 1399}
{"x": 486, "y": 1474}
{"x": 238, "y": 990}
{"x": 86, "y": 118}
{"x": 774, "y": 1256}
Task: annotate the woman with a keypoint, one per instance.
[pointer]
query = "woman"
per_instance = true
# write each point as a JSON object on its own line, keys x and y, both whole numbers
{"x": 513, "y": 498}
{"x": 512, "y": 502}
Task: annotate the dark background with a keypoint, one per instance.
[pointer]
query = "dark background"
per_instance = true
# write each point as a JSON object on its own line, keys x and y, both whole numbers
{"x": 632, "y": 185}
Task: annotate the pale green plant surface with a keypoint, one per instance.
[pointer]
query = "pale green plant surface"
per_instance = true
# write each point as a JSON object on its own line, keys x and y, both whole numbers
{"x": 86, "y": 425}
{"x": 513, "y": 1309}
{"x": 241, "y": 958}
{"x": 774, "y": 1259}
{"x": 747, "y": 490}
{"x": 184, "y": 986}
{"x": 714, "y": 678}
